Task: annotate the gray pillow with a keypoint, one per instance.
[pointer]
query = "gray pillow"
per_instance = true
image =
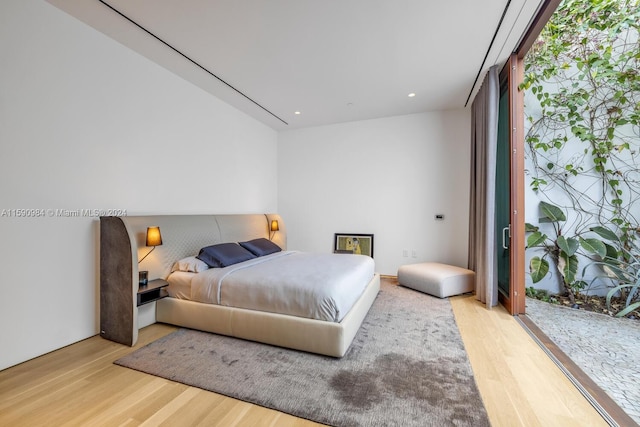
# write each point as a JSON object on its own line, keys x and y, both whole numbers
{"x": 260, "y": 247}
{"x": 224, "y": 254}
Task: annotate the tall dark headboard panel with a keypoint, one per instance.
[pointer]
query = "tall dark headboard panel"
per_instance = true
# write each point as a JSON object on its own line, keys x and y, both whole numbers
{"x": 117, "y": 300}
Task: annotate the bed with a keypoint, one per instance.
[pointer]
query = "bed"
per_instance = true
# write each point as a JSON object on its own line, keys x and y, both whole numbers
{"x": 262, "y": 306}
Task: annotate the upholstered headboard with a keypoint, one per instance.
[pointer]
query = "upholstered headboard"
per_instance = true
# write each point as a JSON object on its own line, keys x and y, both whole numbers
{"x": 123, "y": 244}
{"x": 184, "y": 235}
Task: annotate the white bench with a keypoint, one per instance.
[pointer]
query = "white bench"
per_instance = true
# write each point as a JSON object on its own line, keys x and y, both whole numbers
{"x": 440, "y": 280}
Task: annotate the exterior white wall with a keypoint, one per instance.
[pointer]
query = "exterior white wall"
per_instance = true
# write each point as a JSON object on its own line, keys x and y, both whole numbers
{"x": 589, "y": 188}
{"x": 385, "y": 176}
{"x": 85, "y": 123}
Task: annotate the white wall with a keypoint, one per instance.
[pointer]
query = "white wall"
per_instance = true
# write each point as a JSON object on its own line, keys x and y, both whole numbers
{"x": 588, "y": 190}
{"x": 386, "y": 176}
{"x": 85, "y": 123}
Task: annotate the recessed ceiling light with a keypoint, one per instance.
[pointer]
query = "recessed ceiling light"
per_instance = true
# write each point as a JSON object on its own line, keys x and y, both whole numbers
{"x": 411, "y": 95}
{"x": 297, "y": 113}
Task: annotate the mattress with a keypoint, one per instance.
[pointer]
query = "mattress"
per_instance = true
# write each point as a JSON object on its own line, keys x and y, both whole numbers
{"x": 314, "y": 286}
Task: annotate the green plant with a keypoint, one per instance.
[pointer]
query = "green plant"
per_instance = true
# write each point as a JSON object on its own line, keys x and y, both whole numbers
{"x": 540, "y": 294}
{"x": 583, "y": 109}
{"x": 562, "y": 250}
{"x": 623, "y": 271}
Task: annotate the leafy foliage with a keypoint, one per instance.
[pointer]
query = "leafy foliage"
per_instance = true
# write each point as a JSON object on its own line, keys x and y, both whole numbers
{"x": 540, "y": 294}
{"x": 582, "y": 80}
{"x": 624, "y": 272}
{"x": 562, "y": 250}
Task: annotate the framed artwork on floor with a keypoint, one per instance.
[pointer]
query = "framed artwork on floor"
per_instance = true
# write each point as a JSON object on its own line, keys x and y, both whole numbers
{"x": 361, "y": 244}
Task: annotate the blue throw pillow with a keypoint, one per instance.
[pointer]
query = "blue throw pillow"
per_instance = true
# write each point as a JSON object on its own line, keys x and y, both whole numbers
{"x": 224, "y": 254}
{"x": 261, "y": 247}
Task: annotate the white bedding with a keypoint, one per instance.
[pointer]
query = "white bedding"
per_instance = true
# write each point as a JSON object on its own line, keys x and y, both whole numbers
{"x": 315, "y": 286}
{"x": 180, "y": 284}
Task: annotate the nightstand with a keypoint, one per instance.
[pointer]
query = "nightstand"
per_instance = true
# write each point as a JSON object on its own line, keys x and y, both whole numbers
{"x": 152, "y": 291}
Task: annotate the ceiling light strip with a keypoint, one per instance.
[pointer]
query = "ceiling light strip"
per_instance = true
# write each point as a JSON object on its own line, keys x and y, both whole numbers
{"x": 495, "y": 34}
{"x": 188, "y": 58}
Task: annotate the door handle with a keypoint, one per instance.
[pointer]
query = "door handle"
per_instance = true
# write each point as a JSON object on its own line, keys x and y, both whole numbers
{"x": 504, "y": 241}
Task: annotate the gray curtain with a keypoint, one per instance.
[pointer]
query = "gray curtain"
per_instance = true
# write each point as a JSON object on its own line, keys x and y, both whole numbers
{"x": 482, "y": 223}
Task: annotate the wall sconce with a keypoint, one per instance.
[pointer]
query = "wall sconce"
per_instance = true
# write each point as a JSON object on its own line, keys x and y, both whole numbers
{"x": 154, "y": 238}
{"x": 274, "y": 227}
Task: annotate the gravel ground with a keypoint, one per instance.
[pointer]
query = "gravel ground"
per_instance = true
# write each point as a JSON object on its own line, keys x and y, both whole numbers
{"x": 605, "y": 348}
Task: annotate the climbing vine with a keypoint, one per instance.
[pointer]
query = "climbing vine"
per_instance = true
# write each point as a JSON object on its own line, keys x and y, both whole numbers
{"x": 582, "y": 83}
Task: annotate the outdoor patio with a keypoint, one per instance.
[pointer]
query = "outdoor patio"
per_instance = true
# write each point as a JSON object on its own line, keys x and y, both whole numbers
{"x": 605, "y": 348}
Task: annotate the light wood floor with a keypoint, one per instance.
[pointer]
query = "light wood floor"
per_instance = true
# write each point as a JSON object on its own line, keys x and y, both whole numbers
{"x": 519, "y": 384}
{"x": 80, "y": 385}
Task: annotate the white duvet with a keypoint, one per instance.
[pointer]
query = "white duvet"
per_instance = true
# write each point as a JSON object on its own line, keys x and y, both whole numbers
{"x": 315, "y": 286}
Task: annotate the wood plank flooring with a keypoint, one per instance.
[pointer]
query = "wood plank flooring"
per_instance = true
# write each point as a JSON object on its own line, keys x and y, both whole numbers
{"x": 80, "y": 385}
{"x": 519, "y": 383}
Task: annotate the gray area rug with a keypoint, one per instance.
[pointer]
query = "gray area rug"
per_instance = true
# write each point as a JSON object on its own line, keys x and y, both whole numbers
{"x": 407, "y": 366}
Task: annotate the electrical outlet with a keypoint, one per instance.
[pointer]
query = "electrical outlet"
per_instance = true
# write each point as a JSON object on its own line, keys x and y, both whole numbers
{"x": 405, "y": 253}
{"x": 414, "y": 253}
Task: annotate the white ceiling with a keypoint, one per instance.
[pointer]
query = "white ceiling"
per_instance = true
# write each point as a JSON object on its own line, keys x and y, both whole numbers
{"x": 333, "y": 60}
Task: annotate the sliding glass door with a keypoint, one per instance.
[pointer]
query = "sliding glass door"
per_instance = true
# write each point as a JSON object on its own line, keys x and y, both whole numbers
{"x": 503, "y": 185}
{"x": 509, "y": 209}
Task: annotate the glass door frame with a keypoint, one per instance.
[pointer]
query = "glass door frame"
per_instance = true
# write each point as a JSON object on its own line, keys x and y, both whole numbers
{"x": 513, "y": 72}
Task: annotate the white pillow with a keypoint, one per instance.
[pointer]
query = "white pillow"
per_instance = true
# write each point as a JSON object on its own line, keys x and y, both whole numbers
{"x": 189, "y": 264}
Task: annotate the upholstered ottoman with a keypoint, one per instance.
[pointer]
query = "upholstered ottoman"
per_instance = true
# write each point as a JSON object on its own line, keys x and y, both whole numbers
{"x": 440, "y": 280}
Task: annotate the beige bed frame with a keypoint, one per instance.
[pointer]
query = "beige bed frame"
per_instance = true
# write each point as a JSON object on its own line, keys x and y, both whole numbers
{"x": 122, "y": 243}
